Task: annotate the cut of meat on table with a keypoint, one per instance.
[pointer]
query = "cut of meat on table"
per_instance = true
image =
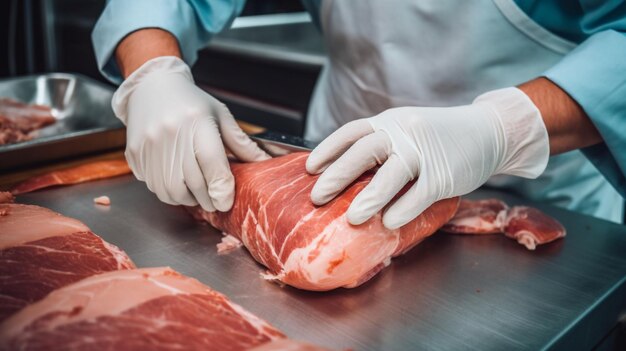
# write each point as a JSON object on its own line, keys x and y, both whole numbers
{"x": 41, "y": 250}
{"x": 287, "y": 345}
{"x": 19, "y": 121}
{"x": 6, "y": 197}
{"x": 74, "y": 175}
{"x": 228, "y": 244}
{"x": 528, "y": 226}
{"x": 478, "y": 217}
{"x": 102, "y": 200}
{"x": 531, "y": 227}
{"x": 142, "y": 309}
{"x": 307, "y": 246}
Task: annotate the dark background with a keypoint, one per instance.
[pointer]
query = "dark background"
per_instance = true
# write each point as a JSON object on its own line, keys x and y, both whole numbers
{"x": 66, "y": 26}
{"x": 40, "y": 36}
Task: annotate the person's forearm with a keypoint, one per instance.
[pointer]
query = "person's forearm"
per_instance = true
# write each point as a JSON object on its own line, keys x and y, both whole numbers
{"x": 568, "y": 125}
{"x": 143, "y": 45}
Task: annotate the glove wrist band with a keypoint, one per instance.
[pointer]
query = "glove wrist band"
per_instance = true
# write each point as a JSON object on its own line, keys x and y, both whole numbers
{"x": 151, "y": 68}
{"x": 526, "y": 143}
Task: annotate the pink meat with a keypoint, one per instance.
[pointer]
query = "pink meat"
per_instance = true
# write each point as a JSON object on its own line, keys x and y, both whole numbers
{"x": 478, "y": 217}
{"x": 41, "y": 250}
{"x": 6, "y": 197}
{"x": 531, "y": 227}
{"x": 528, "y": 226}
{"x": 19, "y": 121}
{"x": 21, "y": 113}
{"x": 141, "y": 309}
{"x": 73, "y": 175}
{"x": 307, "y": 246}
{"x": 287, "y": 345}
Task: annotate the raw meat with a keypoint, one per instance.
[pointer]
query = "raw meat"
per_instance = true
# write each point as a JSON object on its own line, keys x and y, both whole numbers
{"x": 41, "y": 250}
{"x": 478, "y": 217}
{"x": 228, "y": 244}
{"x": 74, "y": 175}
{"x": 102, "y": 200}
{"x": 19, "y": 121}
{"x": 311, "y": 247}
{"x": 17, "y": 110}
{"x": 6, "y": 197}
{"x": 529, "y": 226}
{"x": 142, "y": 309}
{"x": 287, "y": 345}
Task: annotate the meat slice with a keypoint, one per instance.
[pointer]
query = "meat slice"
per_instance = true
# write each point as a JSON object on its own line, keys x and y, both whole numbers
{"x": 20, "y": 111}
{"x": 307, "y": 246}
{"x": 141, "y": 309}
{"x": 478, "y": 217}
{"x": 41, "y": 250}
{"x": 287, "y": 345}
{"x": 6, "y": 197}
{"x": 228, "y": 244}
{"x": 528, "y": 226}
{"x": 102, "y": 200}
{"x": 74, "y": 175}
{"x": 531, "y": 227}
{"x": 19, "y": 121}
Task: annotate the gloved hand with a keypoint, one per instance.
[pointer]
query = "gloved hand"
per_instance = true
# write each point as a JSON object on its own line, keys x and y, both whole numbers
{"x": 174, "y": 136}
{"x": 451, "y": 151}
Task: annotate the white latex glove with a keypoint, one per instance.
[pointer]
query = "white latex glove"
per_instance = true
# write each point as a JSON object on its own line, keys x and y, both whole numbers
{"x": 174, "y": 136}
{"x": 453, "y": 151}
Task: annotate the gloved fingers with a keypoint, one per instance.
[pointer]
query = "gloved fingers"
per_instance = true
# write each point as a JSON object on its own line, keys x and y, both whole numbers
{"x": 194, "y": 179}
{"x": 179, "y": 149}
{"x": 331, "y": 148}
{"x": 237, "y": 141}
{"x": 368, "y": 152}
{"x": 154, "y": 182}
{"x": 134, "y": 165}
{"x": 165, "y": 176}
{"x": 387, "y": 182}
{"x": 152, "y": 179}
{"x": 213, "y": 163}
{"x": 133, "y": 154}
{"x": 410, "y": 205}
{"x": 178, "y": 191}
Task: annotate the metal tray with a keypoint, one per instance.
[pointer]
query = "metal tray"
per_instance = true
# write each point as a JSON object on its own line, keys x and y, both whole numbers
{"x": 85, "y": 120}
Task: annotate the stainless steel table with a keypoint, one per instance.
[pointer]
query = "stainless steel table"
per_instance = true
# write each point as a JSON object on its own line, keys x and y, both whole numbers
{"x": 451, "y": 292}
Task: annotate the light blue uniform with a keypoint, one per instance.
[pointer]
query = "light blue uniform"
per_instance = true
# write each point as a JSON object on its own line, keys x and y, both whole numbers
{"x": 594, "y": 73}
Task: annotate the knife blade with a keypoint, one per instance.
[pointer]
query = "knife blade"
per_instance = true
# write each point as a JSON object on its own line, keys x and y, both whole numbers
{"x": 278, "y": 144}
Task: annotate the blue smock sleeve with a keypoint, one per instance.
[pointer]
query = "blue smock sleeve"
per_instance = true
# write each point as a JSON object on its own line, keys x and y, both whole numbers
{"x": 594, "y": 74}
{"x": 192, "y": 22}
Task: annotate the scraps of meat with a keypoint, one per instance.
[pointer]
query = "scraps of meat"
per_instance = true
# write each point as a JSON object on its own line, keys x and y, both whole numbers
{"x": 20, "y": 122}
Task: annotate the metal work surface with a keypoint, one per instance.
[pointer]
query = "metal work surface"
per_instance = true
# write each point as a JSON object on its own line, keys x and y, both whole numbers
{"x": 451, "y": 292}
{"x": 82, "y": 107}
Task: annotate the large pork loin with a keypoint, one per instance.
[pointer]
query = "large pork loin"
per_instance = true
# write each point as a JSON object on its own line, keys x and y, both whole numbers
{"x": 307, "y": 246}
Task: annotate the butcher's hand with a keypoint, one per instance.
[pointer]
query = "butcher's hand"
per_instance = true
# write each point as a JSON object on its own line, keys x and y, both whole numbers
{"x": 450, "y": 151}
{"x": 176, "y": 134}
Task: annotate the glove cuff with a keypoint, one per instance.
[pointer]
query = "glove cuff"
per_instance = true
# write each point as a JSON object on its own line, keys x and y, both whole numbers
{"x": 526, "y": 143}
{"x": 152, "y": 68}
